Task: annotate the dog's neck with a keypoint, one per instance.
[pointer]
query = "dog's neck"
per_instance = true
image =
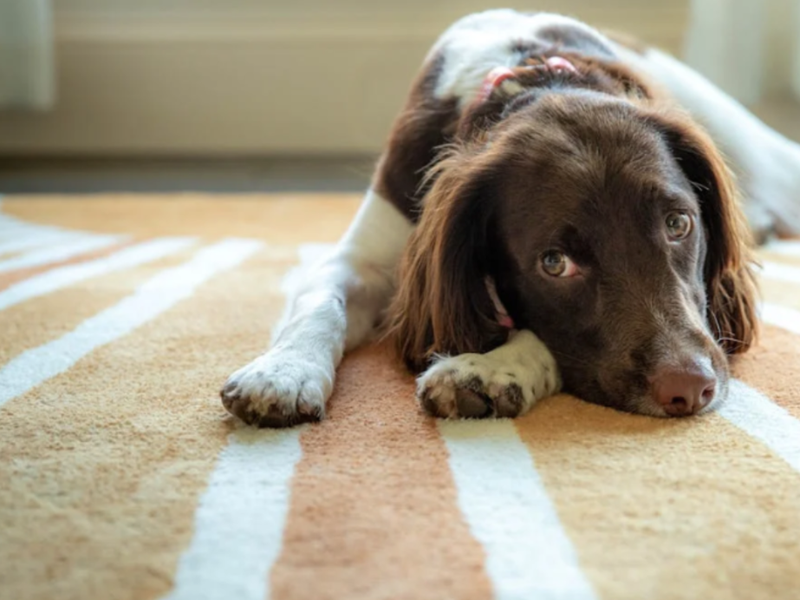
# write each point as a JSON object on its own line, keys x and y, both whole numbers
{"x": 505, "y": 90}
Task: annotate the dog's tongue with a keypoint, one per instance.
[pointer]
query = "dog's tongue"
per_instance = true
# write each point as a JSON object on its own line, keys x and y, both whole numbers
{"x": 500, "y": 75}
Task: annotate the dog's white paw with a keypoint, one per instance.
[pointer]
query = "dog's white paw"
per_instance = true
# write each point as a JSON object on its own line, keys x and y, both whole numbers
{"x": 279, "y": 389}
{"x": 506, "y": 382}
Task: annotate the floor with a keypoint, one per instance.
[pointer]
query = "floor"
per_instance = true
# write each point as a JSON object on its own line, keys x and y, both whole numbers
{"x": 244, "y": 174}
{"x": 122, "y": 477}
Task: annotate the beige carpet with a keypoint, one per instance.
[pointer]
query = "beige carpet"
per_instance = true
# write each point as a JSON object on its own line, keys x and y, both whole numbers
{"x": 122, "y": 477}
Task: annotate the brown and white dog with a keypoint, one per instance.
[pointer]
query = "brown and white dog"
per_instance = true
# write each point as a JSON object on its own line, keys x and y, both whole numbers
{"x": 548, "y": 214}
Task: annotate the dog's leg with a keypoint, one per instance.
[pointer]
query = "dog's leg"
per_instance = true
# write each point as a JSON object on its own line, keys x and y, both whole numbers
{"x": 335, "y": 309}
{"x": 767, "y": 163}
{"x": 341, "y": 301}
{"x": 505, "y": 382}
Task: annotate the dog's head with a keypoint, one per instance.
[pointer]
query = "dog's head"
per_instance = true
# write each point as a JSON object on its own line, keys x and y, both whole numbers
{"x": 610, "y": 229}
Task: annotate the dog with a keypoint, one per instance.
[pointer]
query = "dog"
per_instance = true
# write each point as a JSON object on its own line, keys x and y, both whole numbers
{"x": 552, "y": 212}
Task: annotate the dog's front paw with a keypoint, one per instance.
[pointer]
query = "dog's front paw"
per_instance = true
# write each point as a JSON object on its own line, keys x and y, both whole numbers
{"x": 453, "y": 389}
{"x": 278, "y": 389}
{"x": 502, "y": 383}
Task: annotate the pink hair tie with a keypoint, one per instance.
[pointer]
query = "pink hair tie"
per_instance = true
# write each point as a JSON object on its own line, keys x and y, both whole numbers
{"x": 493, "y": 79}
{"x": 506, "y": 321}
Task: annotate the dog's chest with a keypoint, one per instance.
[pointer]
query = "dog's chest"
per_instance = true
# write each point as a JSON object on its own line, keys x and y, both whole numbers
{"x": 478, "y": 43}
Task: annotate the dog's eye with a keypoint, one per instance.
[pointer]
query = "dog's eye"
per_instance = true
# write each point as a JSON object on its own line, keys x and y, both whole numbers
{"x": 558, "y": 264}
{"x": 679, "y": 225}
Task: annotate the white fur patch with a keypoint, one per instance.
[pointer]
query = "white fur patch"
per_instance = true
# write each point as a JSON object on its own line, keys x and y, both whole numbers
{"x": 513, "y": 376}
{"x": 476, "y": 44}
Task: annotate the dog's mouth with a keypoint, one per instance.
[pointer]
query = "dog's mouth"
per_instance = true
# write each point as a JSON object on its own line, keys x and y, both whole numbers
{"x": 508, "y": 82}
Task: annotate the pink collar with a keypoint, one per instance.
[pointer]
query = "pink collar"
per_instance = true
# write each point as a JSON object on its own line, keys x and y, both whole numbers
{"x": 495, "y": 78}
{"x": 500, "y": 311}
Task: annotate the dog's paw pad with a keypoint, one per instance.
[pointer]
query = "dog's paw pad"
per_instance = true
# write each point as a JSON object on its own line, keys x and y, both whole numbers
{"x": 511, "y": 402}
{"x": 472, "y": 402}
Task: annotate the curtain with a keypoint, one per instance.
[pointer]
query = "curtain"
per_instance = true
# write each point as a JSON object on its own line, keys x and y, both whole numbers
{"x": 26, "y": 55}
{"x": 748, "y": 47}
{"x": 796, "y": 34}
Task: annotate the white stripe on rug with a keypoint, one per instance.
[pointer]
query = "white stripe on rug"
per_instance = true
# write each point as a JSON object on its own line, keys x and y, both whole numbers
{"x": 61, "y": 277}
{"x": 36, "y": 239}
{"x": 779, "y": 271}
{"x": 152, "y": 298}
{"x": 764, "y": 420}
{"x": 784, "y": 247}
{"x": 239, "y": 522}
{"x": 502, "y": 497}
{"x": 59, "y": 252}
{"x": 12, "y": 231}
{"x": 13, "y": 227}
{"x": 780, "y": 316}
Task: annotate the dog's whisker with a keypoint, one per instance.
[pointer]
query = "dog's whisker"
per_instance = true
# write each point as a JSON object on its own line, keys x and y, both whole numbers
{"x": 729, "y": 339}
{"x": 575, "y": 360}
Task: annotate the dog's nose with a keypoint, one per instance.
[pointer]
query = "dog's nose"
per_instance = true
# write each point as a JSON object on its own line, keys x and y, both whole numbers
{"x": 686, "y": 390}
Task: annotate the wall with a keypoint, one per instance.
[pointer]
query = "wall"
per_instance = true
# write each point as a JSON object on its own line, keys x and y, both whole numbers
{"x": 255, "y": 77}
{"x": 748, "y": 47}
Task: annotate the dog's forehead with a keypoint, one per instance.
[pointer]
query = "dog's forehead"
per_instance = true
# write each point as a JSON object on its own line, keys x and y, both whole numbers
{"x": 584, "y": 123}
{"x": 592, "y": 172}
{"x": 599, "y": 215}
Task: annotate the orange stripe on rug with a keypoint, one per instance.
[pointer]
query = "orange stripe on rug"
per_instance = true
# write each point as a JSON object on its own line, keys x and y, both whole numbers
{"x": 773, "y": 367}
{"x": 374, "y": 511}
{"x": 647, "y": 520}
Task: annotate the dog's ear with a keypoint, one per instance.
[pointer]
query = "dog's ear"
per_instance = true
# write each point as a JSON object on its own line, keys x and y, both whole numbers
{"x": 730, "y": 283}
{"x": 442, "y": 304}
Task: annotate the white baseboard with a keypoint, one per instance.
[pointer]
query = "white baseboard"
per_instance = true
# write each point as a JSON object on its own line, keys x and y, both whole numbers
{"x": 247, "y": 81}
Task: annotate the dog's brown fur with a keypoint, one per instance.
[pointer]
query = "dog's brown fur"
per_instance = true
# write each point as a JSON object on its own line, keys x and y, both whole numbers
{"x": 442, "y": 305}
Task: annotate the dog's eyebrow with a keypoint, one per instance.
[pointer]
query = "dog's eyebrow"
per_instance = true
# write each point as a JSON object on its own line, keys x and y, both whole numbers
{"x": 678, "y": 199}
{"x": 666, "y": 193}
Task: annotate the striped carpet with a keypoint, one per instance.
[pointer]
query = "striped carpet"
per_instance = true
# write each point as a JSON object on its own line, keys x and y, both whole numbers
{"x": 122, "y": 477}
